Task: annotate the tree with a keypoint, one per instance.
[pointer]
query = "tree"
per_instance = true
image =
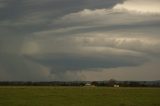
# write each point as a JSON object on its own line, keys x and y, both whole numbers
{"x": 112, "y": 82}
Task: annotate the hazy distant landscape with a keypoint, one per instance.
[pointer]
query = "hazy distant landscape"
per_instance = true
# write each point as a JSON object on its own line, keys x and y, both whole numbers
{"x": 109, "y": 83}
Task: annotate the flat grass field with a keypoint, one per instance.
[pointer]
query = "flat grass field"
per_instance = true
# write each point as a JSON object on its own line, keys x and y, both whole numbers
{"x": 78, "y": 96}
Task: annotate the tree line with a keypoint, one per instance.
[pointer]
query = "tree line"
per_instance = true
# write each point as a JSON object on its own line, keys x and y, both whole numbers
{"x": 109, "y": 83}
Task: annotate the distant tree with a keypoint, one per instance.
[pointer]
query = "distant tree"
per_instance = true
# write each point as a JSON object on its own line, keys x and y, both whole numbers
{"x": 134, "y": 84}
{"x": 112, "y": 82}
{"x": 94, "y": 83}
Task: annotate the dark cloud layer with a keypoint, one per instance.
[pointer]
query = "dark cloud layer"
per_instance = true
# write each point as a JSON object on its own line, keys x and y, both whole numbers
{"x": 17, "y": 68}
{"x": 66, "y": 39}
{"x": 73, "y": 62}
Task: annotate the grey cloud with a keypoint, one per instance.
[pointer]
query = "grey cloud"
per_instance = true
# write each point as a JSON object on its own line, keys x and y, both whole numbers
{"x": 17, "y": 68}
{"x": 24, "y": 17}
{"x": 79, "y": 61}
{"x": 133, "y": 40}
{"x": 59, "y": 39}
{"x": 56, "y": 8}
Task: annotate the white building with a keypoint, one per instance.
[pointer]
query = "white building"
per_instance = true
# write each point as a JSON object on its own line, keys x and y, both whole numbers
{"x": 116, "y": 86}
{"x": 87, "y": 84}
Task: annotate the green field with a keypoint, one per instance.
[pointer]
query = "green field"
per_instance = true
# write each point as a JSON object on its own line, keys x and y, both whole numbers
{"x": 79, "y": 96}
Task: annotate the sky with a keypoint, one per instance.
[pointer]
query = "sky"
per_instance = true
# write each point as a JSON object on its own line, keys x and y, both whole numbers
{"x": 79, "y": 40}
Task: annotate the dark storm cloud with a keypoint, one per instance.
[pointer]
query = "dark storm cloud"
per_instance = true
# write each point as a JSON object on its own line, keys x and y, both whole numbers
{"x": 17, "y": 68}
{"x": 72, "y": 62}
{"x": 57, "y": 39}
{"x": 20, "y": 17}
{"x": 16, "y": 10}
{"x": 151, "y": 24}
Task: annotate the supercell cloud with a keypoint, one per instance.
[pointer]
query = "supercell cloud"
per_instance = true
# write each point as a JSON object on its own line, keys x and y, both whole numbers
{"x": 42, "y": 40}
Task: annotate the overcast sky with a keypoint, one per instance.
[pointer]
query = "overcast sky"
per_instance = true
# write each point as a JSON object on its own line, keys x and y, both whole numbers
{"x": 43, "y": 40}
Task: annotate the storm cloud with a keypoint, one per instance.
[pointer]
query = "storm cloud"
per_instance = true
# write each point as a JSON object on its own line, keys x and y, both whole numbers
{"x": 77, "y": 39}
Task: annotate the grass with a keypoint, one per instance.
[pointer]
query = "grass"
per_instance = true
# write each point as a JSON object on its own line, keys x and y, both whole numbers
{"x": 78, "y": 96}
